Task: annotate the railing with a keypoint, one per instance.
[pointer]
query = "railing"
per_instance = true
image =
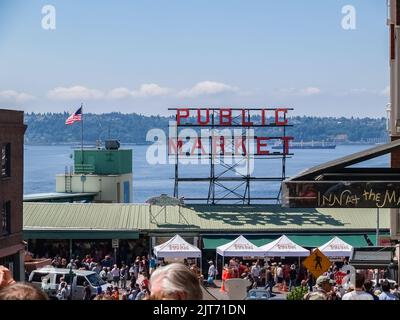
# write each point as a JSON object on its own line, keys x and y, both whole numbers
{"x": 84, "y": 168}
{"x": 68, "y": 179}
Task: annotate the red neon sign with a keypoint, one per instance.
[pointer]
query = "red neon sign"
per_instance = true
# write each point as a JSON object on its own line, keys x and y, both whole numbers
{"x": 229, "y": 117}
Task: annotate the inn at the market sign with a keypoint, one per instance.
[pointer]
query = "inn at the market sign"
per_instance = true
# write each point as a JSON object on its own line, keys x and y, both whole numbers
{"x": 342, "y": 194}
{"x": 341, "y": 184}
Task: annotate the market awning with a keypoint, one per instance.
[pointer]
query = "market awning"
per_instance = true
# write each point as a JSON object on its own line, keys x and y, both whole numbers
{"x": 240, "y": 247}
{"x": 177, "y": 247}
{"x": 284, "y": 247}
{"x": 313, "y": 241}
{"x": 211, "y": 242}
{"x": 336, "y": 247}
{"x": 373, "y": 257}
{"x": 81, "y": 234}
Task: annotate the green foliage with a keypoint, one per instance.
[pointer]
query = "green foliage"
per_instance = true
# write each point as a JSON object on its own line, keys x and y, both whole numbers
{"x": 50, "y": 128}
{"x": 297, "y": 293}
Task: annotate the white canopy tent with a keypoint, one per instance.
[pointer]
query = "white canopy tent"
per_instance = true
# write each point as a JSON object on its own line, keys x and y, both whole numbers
{"x": 240, "y": 247}
{"x": 336, "y": 247}
{"x": 177, "y": 247}
{"x": 284, "y": 247}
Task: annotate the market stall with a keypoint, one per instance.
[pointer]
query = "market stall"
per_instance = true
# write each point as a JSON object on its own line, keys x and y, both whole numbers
{"x": 284, "y": 247}
{"x": 336, "y": 247}
{"x": 240, "y": 247}
{"x": 177, "y": 247}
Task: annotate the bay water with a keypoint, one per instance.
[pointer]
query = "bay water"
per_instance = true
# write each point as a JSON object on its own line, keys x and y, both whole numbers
{"x": 42, "y": 163}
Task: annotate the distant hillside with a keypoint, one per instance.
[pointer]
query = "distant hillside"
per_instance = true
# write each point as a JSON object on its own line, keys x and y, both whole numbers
{"x": 50, "y": 128}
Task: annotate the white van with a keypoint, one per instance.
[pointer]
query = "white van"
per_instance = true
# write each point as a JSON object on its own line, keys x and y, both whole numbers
{"x": 48, "y": 279}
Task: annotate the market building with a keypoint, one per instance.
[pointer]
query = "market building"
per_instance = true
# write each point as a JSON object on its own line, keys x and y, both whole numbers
{"x": 134, "y": 229}
{"x": 12, "y": 130}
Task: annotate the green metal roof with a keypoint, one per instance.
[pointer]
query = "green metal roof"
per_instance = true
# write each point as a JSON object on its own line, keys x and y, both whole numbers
{"x": 200, "y": 218}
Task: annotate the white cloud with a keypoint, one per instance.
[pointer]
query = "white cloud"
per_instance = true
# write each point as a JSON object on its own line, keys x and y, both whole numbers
{"x": 385, "y": 92}
{"x": 206, "y": 88}
{"x": 15, "y": 97}
{"x": 145, "y": 90}
{"x": 309, "y": 91}
{"x": 74, "y": 93}
{"x": 119, "y": 93}
{"x": 151, "y": 90}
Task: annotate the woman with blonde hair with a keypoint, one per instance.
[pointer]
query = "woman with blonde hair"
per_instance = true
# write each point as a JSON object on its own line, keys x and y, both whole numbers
{"x": 174, "y": 282}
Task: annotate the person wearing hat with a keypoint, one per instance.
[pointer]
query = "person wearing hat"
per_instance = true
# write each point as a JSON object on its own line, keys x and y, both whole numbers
{"x": 324, "y": 286}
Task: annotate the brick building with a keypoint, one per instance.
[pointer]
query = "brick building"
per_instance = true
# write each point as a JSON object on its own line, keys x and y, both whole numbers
{"x": 12, "y": 131}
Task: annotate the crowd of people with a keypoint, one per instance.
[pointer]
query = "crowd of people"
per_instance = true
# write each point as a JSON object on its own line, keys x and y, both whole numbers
{"x": 117, "y": 276}
{"x": 174, "y": 281}
{"x": 147, "y": 278}
{"x": 262, "y": 273}
{"x": 332, "y": 285}
{"x": 328, "y": 289}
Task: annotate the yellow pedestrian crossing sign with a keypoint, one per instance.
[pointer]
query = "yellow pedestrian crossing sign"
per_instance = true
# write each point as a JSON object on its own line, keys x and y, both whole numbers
{"x": 317, "y": 263}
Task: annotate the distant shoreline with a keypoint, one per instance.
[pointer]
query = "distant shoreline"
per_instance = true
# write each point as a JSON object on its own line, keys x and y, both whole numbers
{"x": 86, "y": 145}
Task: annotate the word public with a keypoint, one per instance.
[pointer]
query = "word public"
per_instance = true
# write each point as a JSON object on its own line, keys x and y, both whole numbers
{"x": 228, "y": 117}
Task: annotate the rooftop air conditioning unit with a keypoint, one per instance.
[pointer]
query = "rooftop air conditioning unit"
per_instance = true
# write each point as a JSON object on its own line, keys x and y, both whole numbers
{"x": 112, "y": 145}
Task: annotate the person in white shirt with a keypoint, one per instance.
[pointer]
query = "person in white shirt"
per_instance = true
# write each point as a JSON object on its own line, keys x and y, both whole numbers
{"x": 211, "y": 273}
{"x": 279, "y": 274}
{"x": 115, "y": 272}
{"x": 255, "y": 272}
{"x": 358, "y": 293}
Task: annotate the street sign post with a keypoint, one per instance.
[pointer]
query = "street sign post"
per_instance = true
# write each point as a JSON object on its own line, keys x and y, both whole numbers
{"x": 317, "y": 263}
{"x": 115, "y": 243}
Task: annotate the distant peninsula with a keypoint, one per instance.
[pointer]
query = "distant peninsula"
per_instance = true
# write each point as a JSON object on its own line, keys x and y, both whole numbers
{"x": 50, "y": 128}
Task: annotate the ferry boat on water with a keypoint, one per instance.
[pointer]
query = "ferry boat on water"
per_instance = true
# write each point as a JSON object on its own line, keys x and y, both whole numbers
{"x": 308, "y": 145}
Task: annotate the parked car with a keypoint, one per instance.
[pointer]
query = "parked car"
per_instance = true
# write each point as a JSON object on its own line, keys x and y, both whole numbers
{"x": 48, "y": 279}
{"x": 258, "y": 294}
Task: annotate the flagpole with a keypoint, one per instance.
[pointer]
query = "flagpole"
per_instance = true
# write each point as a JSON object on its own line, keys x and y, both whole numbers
{"x": 82, "y": 134}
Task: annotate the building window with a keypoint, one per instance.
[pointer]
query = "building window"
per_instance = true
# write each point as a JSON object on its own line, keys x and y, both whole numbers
{"x": 5, "y": 157}
{"x": 5, "y": 223}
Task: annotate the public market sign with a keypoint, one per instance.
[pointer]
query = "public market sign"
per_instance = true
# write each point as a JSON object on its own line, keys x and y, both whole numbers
{"x": 380, "y": 194}
{"x": 210, "y": 131}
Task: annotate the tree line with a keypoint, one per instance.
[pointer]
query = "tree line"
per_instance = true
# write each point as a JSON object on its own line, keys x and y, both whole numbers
{"x": 50, "y": 128}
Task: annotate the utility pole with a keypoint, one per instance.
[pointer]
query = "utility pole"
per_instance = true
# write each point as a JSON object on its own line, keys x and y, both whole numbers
{"x": 393, "y": 23}
{"x": 377, "y": 226}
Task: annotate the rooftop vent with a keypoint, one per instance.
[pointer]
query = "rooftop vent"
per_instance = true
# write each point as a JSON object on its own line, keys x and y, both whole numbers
{"x": 112, "y": 145}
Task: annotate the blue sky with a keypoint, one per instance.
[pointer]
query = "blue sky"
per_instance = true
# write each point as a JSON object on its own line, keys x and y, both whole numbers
{"x": 145, "y": 56}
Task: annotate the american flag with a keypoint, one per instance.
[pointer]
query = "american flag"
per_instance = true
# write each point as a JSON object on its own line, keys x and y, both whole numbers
{"x": 77, "y": 116}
